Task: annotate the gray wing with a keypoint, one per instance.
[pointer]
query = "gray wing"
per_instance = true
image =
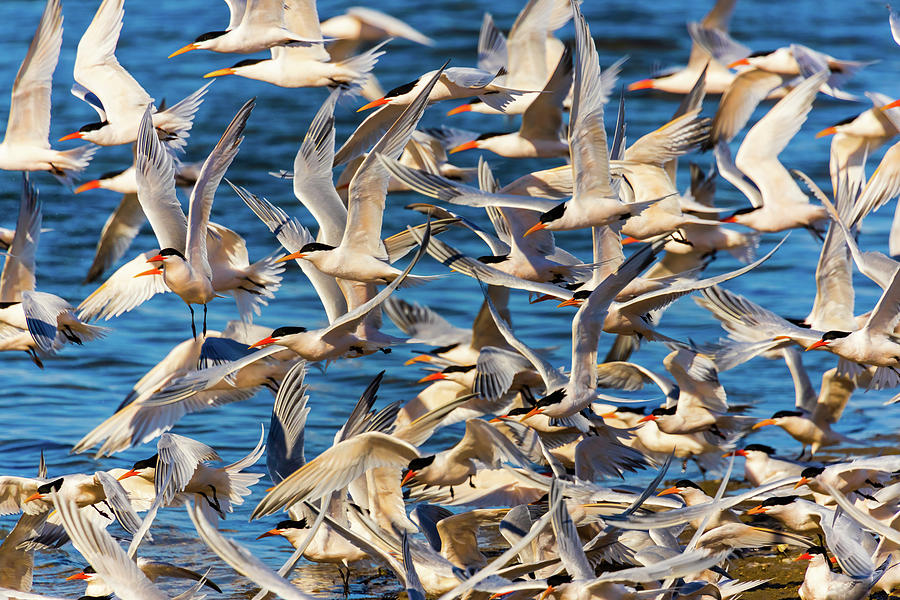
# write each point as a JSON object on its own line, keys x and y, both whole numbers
{"x": 568, "y": 542}
{"x": 204, "y": 191}
{"x": 41, "y": 313}
{"x": 118, "y": 502}
{"x": 19, "y": 269}
{"x": 424, "y": 325}
{"x": 495, "y": 370}
{"x": 414, "y": 589}
{"x": 118, "y": 232}
{"x": 242, "y": 560}
{"x": 178, "y": 460}
{"x": 284, "y": 446}
{"x": 492, "y": 55}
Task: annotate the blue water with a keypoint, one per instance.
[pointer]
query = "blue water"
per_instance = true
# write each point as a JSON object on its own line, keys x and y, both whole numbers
{"x": 51, "y": 409}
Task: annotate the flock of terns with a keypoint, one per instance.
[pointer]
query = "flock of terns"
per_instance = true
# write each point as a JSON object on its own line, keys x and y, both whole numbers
{"x": 544, "y": 449}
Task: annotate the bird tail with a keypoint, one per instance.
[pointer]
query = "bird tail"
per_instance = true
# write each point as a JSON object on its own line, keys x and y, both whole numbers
{"x": 177, "y": 120}
{"x": 746, "y": 253}
{"x": 416, "y": 280}
{"x": 261, "y": 280}
{"x": 360, "y": 66}
{"x": 72, "y": 162}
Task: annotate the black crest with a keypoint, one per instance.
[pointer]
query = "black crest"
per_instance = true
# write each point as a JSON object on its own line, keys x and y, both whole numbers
{"x": 417, "y": 464}
{"x": 111, "y": 174}
{"x": 147, "y": 463}
{"x": 554, "y": 213}
{"x": 760, "y": 448}
{"x": 171, "y": 252}
{"x": 283, "y": 331}
{"x": 401, "y": 89}
{"x": 779, "y": 500}
{"x": 809, "y": 472}
{"x": 491, "y": 260}
{"x": 687, "y": 483}
{"x": 288, "y": 524}
{"x": 787, "y": 413}
{"x": 51, "y": 486}
{"x": 835, "y": 335}
{"x": 93, "y": 126}
{"x": 491, "y": 134}
{"x": 209, "y": 35}
{"x": 458, "y": 369}
{"x": 247, "y": 62}
{"x": 315, "y": 247}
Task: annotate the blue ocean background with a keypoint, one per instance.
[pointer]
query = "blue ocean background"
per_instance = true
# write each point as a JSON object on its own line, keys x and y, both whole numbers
{"x": 51, "y": 409}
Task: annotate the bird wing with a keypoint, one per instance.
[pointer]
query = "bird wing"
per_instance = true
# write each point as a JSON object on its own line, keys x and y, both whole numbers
{"x": 716, "y": 43}
{"x": 155, "y": 175}
{"x": 105, "y": 555}
{"x": 758, "y": 154}
{"x": 543, "y": 118}
{"x": 368, "y": 188}
{"x": 526, "y": 46}
{"x": 117, "y": 500}
{"x": 240, "y": 559}
{"x": 886, "y": 314}
{"x": 29, "y": 110}
{"x": 284, "y": 446}
{"x": 568, "y": 542}
{"x": 883, "y": 185}
{"x": 414, "y": 589}
{"x": 391, "y": 26}
{"x": 495, "y": 370}
{"x": 19, "y": 269}
{"x": 483, "y": 442}
{"x": 660, "y": 298}
{"x": 424, "y": 325}
{"x": 293, "y": 236}
{"x": 336, "y": 468}
{"x": 587, "y": 135}
{"x": 492, "y": 53}
{"x": 436, "y": 186}
{"x": 178, "y": 460}
{"x": 679, "y": 136}
{"x": 97, "y": 69}
{"x": 236, "y": 10}
{"x": 740, "y": 100}
{"x": 204, "y": 191}
{"x": 118, "y": 232}
{"x": 313, "y": 184}
{"x": 630, "y": 377}
{"x": 368, "y": 132}
{"x": 123, "y": 291}
{"x": 41, "y": 313}
{"x": 730, "y": 172}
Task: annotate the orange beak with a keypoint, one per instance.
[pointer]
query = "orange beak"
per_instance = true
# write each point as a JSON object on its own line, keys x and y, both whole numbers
{"x": 464, "y": 146}
{"x": 803, "y": 481}
{"x": 826, "y": 131}
{"x": 546, "y": 592}
{"x": 537, "y": 227}
{"x": 648, "y": 418}
{"x": 432, "y": 377}
{"x": 157, "y": 258}
{"x": 738, "y": 63}
{"x": 543, "y": 298}
{"x": 731, "y": 219}
{"x": 643, "y": 84}
{"x": 569, "y": 302}
{"x": 757, "y": 510}
{"x": 263, "y": 342}
{"x": 373, "y": 104}
{"x": 291, "y": 256}
{"x": 72, "y": 136}
{"x": 763, "y": 423}
{"x": 153, "y": 271}
{"x": 270, "y": 533}
{"x": 531, "y": 413}
{"x": 128, "y": 474}
{"x": 893, "y": 104}
{"x": 735, "y": 453}
{"x": 409, "y": 475}
{"x": 672, "y": 490}
{"x": 804, "y": 556}
{"x": 781, "y": 337}
{"x": 815, "y": 345}
{"x": 611, "y": 414}
{"x": 219, "y": 73}
{"x": 182, "y": 50}
{"x": 90, "y": 185}
{"x": 501, "y": 594}
{"x": 419, "y": 358}
{"x": 34, "y": 496}
{"x": 81, "y": 575}
{"x": 630, "y": 240}
{"x": 459, "y": 109}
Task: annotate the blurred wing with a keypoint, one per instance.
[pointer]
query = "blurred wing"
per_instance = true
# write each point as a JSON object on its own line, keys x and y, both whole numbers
{"x": 284, "y": 446}
{"x": 568, "y": 543}
{"x": 178, "y": 460}
{"x": 29, "y": 110}
{"x": 204, "y": 191}
{"x": 123, "y": 290}
{"x": 155, "y": 174}
{"x": 119, "y": 231}
{"x": 492, "y": 54}
{"x": 19, "y": 269}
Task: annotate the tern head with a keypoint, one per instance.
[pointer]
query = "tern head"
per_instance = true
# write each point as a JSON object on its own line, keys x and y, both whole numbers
{"x": 738, "y": 215}
{"x": 680, "y": 486}
{"x": 769, "y": 450}
{"x": 827, "y": 338}
{"x": 142, "y": 467}
{"x": 167, "y": 254}
{"x": 200, "y": 42}
{"x": 807, "y": 474}
{"x": 400, "y": 90}
{"x": 834, "y": 128}
{"x": 770, "y": 503}
{"x": 451, "y": 372}
{"x": 43, "y": 490}
{"x": 312, "y": 248}
{"x": 657, "y": 413}
{"x": 284, "y": 527}
{"x": 100, "y": 182}
{"x": 548, "y": 218}
{"x": 88, "y": 574}
{"x": 477, "y": 142}
{"x": 812, "y": 552}
{"x": 577, "y": 298}
{"x": 92, "y": 132}
{"x": 554, "y": 397}
{"x": 277, "y": 335}
{"x": 774, "y": 419}
{"x": 243, "y": 64}
{"x": 414, "y": 466}
{"x": 467, "y": 107}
